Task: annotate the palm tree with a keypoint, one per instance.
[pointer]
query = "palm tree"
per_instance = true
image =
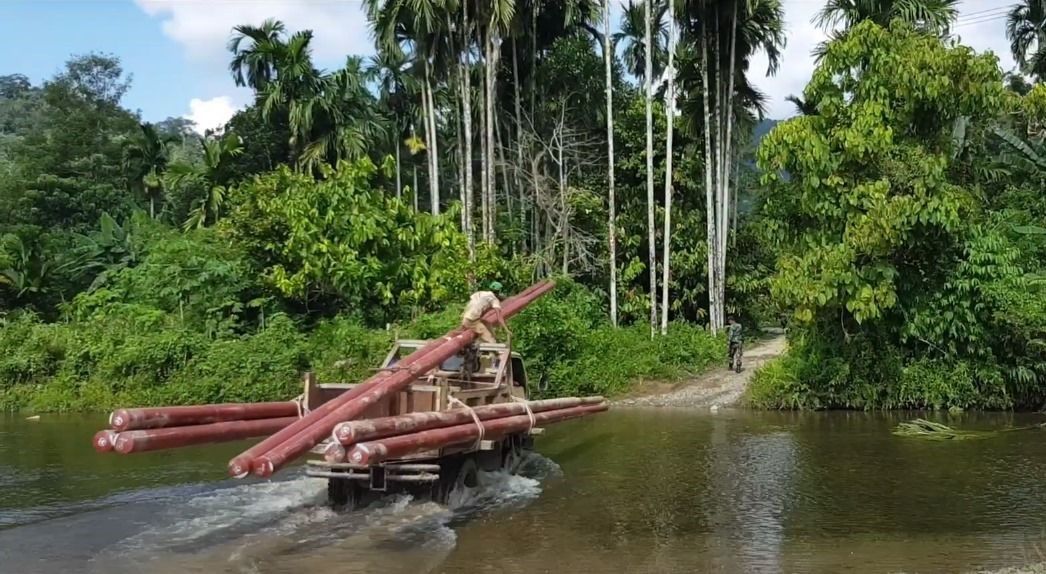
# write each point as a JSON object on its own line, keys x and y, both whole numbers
{"x": 725, "y": 35}
{"x": 1026, "y": 30}
{"x": 145, "y": 161}
{"x": 608, "y": 56}
{"x": 650, "y": 163}
{"x": 338, "y": 120}
{"x": 931, "y": 16}
{"x": 257, "y": 52}
{"x": 633, "y": 33}
{"x": 395, "y": 90}
{"x": 802, "y": 107}
{"x": 670, "y": 104}
{"x": 331, "y": 116}
{"x": 210, "y": 174}
{"x": 419, "y": 25}
{"x": 499, "y": 17}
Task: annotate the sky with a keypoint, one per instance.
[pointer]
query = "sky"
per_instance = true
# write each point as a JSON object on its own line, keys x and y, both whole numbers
{"x": 175, "y": 49}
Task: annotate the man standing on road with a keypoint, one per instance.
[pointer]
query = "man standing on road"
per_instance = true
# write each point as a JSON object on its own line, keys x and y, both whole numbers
{"x": 479, "y": 303}
{"x": 733, "y": 339}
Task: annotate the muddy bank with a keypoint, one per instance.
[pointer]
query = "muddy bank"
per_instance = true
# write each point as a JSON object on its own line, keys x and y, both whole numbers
{"x": 720, "y": 387}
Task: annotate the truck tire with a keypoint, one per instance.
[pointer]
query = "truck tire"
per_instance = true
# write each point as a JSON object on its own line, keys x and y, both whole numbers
{"x": 511, "y": 454}
{"x": 456, "y": 474}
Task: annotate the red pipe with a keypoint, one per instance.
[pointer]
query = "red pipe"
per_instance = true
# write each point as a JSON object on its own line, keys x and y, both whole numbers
{"x": 175, "y": 437}
{"x": 161, "y": 417}
{"x": 352, "y": 432}
{"x": 350, "y": 409}
{"x": 374, "y": 452}
{"x": 241, "y": 465}
{"x": 103, "y": 440}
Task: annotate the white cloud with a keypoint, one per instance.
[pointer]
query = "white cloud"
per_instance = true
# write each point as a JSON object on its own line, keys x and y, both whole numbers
{"x": 981, "y": 25}
{"x": 210, "y": 114}
{"x": 203, "y": 27}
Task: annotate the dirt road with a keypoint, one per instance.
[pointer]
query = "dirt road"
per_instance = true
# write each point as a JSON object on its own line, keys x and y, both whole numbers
{"x": 719, "y": 387}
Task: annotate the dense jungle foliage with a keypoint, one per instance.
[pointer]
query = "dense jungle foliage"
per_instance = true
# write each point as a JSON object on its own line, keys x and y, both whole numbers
{"x": 909, "y": 206}
{"x": 896, "y": 225}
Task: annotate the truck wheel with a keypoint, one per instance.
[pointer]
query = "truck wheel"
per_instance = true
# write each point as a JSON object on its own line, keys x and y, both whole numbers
{"x": 511, "y": 455}
{"x": 343, "y": 493}
{"x": 455, "y": 476}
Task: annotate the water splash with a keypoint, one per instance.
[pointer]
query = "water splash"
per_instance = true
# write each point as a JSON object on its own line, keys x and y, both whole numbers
{"x": 286, "y": 527}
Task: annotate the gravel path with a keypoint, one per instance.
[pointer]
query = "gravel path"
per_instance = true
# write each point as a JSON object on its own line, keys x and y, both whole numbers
{"x": 719, "y": 387}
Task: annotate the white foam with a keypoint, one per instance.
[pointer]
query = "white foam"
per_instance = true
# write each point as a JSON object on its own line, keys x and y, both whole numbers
{"x": 288, "y": 523}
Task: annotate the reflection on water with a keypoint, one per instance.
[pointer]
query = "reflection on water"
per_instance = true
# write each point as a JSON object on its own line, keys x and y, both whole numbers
{"x": 641, "y": 490}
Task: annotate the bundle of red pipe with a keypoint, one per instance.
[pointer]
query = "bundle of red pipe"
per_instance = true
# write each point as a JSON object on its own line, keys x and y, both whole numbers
{"x": 291, "y": 435}
{"x": 372, "y": 441}
{"x": 140, "y": 430}
{"x": 269, "y": 455}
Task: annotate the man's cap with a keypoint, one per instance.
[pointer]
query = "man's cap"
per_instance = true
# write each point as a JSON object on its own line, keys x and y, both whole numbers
{"x": 496, "y": 286}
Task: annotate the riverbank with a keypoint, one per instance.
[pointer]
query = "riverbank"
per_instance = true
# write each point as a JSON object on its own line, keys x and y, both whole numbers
{"x": 718, "y": 387}
{"x": 126, "y": 357}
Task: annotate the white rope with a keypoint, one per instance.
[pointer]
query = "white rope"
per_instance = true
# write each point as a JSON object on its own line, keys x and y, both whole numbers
{"x": 303, "y": 409}
{"x": 530, "y": 413}
{"x": 475, "y": 419}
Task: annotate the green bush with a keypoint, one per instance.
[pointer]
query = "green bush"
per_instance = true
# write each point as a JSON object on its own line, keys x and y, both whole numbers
{"x": 779, "y": 385}
{"x": 609, "y": 361}
{"x": 127, "y": 354}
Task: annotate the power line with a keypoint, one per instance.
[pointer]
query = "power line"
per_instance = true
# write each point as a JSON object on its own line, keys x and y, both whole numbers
{"x": 1002, "y": 14}
{"x": 974, "y": 22}
{"x": 976, "y": 12}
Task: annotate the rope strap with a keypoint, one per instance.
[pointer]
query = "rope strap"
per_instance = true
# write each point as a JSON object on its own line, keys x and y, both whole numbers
{"x": 475, "y": 419}
{"x": 530, "y": 413}
{"x": 303, "y": 409}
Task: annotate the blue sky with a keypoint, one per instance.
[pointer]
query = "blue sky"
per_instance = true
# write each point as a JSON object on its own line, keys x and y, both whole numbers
{"x": 175, "y": 49}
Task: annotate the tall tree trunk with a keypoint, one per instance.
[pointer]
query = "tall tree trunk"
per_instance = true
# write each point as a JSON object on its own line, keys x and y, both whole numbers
{"x": 432, "y": 144}
{"x": 717, "y": 147}
{"x": 737, "y": 189}
{"x": 519, "y": 142}
{"x": 492, "y": 65}
{"x": 650, "y": 168}
{"x": 612, "y": 219}
{"x": 729, "y": 134}
{"x": 399, "y": 181}
{"x": 425, "y": 113}
{"x": 484, "y": 195}
{"x": 466, "y": 101}
{"x": 533, "y": 59}
{"x": 434, "y": 184}
{"x": 728, "y": 122}
{"x": 564, "y": 219}
{"x": 415, "y": 194}
{"x": 709, "y": 195}
{"x": 459, "y": 129}
{"x": 499, "y": 137}
{"x": 670, "y": 102}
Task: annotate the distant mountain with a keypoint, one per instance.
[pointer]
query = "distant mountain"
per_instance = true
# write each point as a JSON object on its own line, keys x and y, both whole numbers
{"x": 763, "y": 128}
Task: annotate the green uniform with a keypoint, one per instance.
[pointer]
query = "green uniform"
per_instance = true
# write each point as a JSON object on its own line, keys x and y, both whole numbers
{"x": 733, "y": 333}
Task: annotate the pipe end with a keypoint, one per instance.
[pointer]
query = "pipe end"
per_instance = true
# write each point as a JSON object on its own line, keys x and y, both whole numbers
{"x": 262, "y": 468}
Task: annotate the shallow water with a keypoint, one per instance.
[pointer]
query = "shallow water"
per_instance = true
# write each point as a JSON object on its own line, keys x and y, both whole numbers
{"x": 633, "y": 490}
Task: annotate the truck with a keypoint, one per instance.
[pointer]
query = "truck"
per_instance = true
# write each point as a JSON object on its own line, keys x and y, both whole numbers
{"x": 481, "y": 374}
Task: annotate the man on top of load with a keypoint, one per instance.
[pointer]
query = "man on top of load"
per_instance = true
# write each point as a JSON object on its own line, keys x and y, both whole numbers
{"x": 479, "y": 303}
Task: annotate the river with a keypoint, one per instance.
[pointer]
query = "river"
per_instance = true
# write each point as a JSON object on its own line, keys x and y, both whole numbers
{"x": 632, "y": 490}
